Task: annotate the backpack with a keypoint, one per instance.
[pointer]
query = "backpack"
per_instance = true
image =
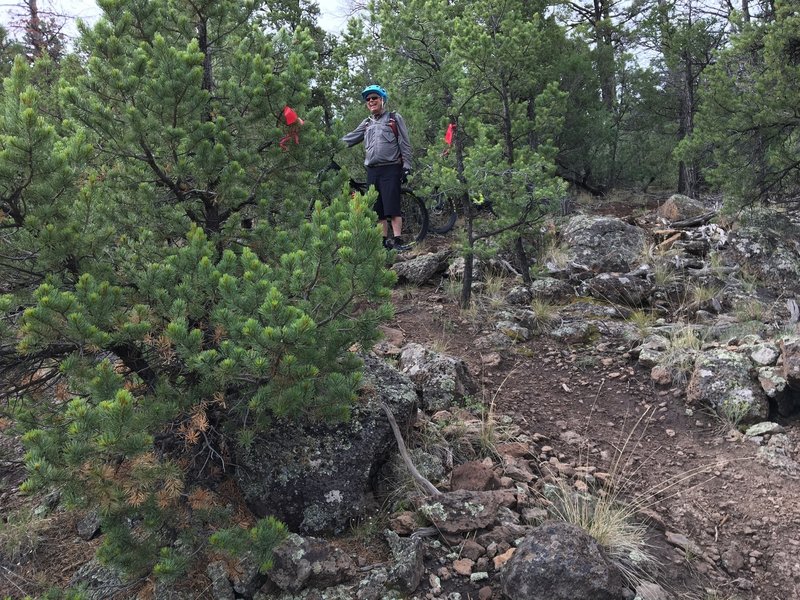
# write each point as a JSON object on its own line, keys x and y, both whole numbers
{"x": 393, "y": 124}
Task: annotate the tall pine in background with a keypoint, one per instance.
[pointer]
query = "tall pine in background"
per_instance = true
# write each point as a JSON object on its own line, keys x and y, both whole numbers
{"x": 488, "y": 69}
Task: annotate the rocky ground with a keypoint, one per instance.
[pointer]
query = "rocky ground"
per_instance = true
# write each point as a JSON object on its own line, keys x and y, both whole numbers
{"x": 706, "y": 482}
{"x": 584, "y": 405}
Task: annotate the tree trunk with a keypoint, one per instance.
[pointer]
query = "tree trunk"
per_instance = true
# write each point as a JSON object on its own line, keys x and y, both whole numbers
{"x": 604, "y": 48}
{"x": 469, "y": 216}
{"x": 522, "y": 259}
{"x": 34, "y": 29}
{"x": 507, "y": 134}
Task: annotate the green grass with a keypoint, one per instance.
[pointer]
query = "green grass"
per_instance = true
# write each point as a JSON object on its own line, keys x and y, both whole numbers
{"x": 749, "y": 310}
{"x": 679, "y": 358}
{"x": 731, "y": 413}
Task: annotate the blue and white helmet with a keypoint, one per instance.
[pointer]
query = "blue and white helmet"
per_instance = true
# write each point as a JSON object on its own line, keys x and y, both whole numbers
{"x": 374, "y": 89}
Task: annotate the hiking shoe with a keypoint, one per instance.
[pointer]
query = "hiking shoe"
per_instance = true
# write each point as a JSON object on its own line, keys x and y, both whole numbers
{"x": 397, "y": 243}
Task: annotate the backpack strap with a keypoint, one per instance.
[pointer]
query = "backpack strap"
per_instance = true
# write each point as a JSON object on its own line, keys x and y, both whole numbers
{"x": 393, "y": 124}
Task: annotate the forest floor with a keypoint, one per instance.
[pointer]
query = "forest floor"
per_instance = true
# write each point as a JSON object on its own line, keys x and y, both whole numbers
{"x": 741, "y": 517}
{"x": 701, "y": 480}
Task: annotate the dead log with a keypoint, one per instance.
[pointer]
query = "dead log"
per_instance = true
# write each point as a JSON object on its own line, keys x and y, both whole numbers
{"x": 424, "y": 483}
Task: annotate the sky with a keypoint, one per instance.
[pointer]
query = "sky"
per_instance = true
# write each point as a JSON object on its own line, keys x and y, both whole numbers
{"x": 333, "y": 16}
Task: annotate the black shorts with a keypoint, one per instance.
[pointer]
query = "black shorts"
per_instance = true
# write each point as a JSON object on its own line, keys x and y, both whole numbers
{"x": 386, "y": 179}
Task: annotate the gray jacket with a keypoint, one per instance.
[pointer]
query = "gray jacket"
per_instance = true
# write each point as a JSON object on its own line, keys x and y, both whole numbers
{"x": 381, "y": 145}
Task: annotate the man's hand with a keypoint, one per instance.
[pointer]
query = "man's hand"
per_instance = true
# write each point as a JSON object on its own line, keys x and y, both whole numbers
{"x": 406, "y": 173}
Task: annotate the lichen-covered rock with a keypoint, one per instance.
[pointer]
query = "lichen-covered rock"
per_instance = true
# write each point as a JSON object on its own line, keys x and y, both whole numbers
{"x": 461, "y": 511}
{"x": 790, "y": 353}
{"x": 560, "y": 561}
{"x": 604, "y": 244}
{"x": 652, "y": 350}
{"x": 442, "y": 380}
{"x": 574, "y": 332}
{"x": 300, "y": 562}
{"x": 221, "y": 588}
{"x": 618, "y": 289}
{"x": 767, "y": 246}
{"x": 513, "y": 331}
{"x": 764, "y": 355}
{"x": 317, "y": 477}
{"x": 421, "y": 269}
{"x": 778, "y": 453}
{"x": 407, "y": 566}
{"x": 89, "y": 525}
{"x": 721, "y": 380}
{"x": 373, "y": 586}
{"x": 98, "y": 581}
{"x": 551, "y": 289}
{"x": 519, "y": 295}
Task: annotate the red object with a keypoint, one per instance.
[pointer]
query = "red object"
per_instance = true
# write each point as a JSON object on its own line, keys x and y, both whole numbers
{"x": 293, "y": 121}
{"x": 448, "y": 135}
{"x": 290, "y": 116}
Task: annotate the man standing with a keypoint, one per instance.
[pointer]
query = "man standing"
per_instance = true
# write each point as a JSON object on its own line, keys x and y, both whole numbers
{"x": 388, "y": 159}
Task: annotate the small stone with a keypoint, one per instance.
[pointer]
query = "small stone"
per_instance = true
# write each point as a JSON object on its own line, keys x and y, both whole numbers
{"x": 485, "y": 593}
{"x": 463, "y": 566}
{"x": 501, "y": 559}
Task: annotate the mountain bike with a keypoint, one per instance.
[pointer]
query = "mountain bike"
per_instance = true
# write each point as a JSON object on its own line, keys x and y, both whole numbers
{"x": 415, "y": 215}
{"x": 444, "y": 210}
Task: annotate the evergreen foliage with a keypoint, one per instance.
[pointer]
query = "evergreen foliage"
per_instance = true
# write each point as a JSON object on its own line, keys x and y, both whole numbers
{"x": 148, "y": 332}
{"x": 748, "y": 125}
{"x": 164, "y": 295}
{"x": 488, "y": 69}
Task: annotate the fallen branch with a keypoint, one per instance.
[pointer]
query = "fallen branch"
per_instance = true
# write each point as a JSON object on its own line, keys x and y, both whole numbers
{"x": 424, "y": 483}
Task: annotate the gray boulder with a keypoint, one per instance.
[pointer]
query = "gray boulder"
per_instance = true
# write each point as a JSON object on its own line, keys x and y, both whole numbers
{"x": 407, "y": 558}
{"x": 99, "y": 582}
{"x": 560, "y": 561}
{"x": 300, "y": 562}
{"x": 767, "y": 247}
{"x": 221, "y": 588}
{"x": 420, "y": 269}
{"x": 442, "y": 380}
{"x": 618, "y": 289}
{"x": 721, "y": 380}
{"x": 679, "y": 207}
{"x": 519, "y": 295}
{"x": 790, "y": 352}
{"x": 552, "y": 290}
{"x": 604, "y": 244}
{"x": 317, "y": 477}
{"x": 462, "y": 510}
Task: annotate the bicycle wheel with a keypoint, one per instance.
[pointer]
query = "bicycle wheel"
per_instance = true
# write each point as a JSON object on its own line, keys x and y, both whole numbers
{"x": 415, "y": 218}
{"x": 442, "y": 214}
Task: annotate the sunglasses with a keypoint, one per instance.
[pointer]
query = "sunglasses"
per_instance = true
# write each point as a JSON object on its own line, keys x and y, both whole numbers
{"x": 371, "y": 98}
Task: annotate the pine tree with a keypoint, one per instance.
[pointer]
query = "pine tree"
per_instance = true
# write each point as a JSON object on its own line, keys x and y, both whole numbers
{"x": 169, "y": 334}
{"x": 487, "y": 69}
{"x": 747, "y": 124}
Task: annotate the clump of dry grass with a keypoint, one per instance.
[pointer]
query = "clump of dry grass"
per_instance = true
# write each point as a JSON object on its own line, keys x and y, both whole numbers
{"x": 21, "y": 533}
{"x": 611, "y": 513}
{"x": 544, "y": 316}
{"x": 642, "y": 322}
{"x": 679, "y": 358}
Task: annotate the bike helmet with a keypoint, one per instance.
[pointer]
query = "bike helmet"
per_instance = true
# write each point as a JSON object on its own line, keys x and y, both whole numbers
{"x": 374, "y": 89}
